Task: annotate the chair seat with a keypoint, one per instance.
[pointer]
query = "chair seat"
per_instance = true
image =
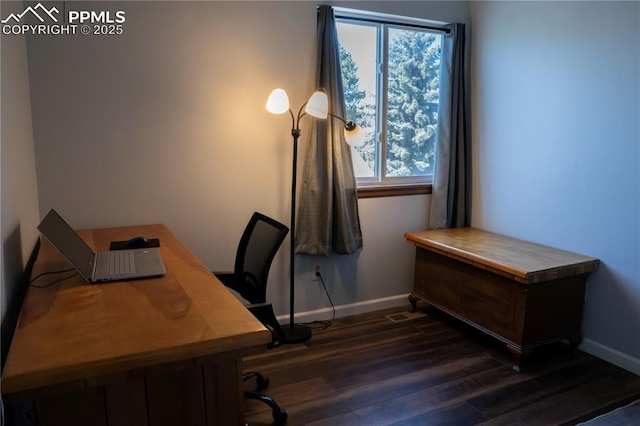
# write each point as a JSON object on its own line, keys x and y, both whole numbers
{"x": 264, "y": 313}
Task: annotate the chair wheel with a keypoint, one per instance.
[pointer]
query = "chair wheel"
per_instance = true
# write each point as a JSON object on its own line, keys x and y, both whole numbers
{"x": 262, "y": 382}
{"x": 280, "y": 416}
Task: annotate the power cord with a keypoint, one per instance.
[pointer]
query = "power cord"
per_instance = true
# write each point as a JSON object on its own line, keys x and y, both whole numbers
{"x": 54, "y": 281}
{"x": 23, "y": 288}
{"x": 322, "y": 325}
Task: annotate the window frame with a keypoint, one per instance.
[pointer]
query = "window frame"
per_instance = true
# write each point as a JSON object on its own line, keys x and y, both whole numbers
{"x": 384, "y": 186}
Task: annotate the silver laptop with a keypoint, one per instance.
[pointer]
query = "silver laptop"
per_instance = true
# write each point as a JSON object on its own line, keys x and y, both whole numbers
{"x": 102, "y": 266}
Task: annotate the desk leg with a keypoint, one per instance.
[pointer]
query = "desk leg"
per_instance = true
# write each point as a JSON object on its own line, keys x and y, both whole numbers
{"x": 224, "y": 396}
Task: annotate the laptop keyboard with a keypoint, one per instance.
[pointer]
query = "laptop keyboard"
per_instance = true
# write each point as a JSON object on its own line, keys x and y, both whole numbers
{"x": 120, "y": 262}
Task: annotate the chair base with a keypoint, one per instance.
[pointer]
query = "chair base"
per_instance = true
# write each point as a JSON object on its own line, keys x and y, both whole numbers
{"x": 279, "y": 414}
{"x": 296, "y": 333}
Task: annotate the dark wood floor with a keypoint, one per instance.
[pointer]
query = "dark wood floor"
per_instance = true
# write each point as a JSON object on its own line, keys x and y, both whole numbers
{"x": 433, "y": 370}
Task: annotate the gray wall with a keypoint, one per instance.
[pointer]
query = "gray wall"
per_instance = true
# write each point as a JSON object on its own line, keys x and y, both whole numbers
{"x": 167, "y": 122}
{"x": 178, "y": 102}
{"x": 19, "y": 210}
{"x": 556, "y": 146}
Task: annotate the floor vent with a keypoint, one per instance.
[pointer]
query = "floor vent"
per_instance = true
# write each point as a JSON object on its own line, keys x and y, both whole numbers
{"x": 405, "y": 316}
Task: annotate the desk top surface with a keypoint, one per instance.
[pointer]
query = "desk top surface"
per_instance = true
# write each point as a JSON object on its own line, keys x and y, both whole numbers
{"x": 522, "y": 261}
{"x": 70, "y": 330}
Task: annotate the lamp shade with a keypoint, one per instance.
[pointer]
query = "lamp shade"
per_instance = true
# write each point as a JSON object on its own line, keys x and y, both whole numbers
{"x": 354, "y": 134}
{"x": 318, "y": 105}
{"x": 278, "y": 102}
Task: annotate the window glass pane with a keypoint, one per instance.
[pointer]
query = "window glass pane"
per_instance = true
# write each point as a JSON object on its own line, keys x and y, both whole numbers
{"x": 412, "y": 102}
{"x": 358, "y": 61}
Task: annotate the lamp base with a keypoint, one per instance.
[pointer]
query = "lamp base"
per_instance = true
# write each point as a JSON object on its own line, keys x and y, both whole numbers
{"x": 296, "y": 334}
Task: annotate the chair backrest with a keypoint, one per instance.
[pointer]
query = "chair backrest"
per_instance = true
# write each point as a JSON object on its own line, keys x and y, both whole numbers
{"x": 258, "y": 246}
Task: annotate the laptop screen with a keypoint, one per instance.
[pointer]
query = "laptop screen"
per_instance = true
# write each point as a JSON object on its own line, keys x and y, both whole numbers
{"x": 68, "y": 243}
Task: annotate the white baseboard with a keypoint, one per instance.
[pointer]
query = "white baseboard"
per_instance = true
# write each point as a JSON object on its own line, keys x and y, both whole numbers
{"x": 350, "y": 309}
{"x": 613, "y": 356}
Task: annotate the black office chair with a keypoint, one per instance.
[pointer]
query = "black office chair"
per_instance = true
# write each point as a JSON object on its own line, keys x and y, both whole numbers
{"x": 259, "y": 244}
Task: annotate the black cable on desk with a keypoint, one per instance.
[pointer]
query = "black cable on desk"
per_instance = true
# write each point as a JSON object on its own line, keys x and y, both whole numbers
{"x": 54, "y": 281}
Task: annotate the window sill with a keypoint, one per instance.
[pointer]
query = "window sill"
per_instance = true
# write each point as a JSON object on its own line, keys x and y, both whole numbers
{"x": 392, "y": 190}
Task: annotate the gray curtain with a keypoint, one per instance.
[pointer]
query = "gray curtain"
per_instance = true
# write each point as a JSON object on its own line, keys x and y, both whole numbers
{"x": 328, "y": 220}
{"x": 451, "y": 196}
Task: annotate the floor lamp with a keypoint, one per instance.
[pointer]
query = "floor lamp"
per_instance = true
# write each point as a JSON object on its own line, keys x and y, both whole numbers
{"x": 317, "y": 106}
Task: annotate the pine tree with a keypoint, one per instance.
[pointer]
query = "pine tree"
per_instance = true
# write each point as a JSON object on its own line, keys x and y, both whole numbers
{"x": 412, "y": 103}
{"x": 357, "y": 110}
{"x": 413, "y": 90}
{"x": 353, "y": 96}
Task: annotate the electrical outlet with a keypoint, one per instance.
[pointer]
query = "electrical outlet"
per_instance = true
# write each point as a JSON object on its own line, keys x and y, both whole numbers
{"x": 314, "y": 273}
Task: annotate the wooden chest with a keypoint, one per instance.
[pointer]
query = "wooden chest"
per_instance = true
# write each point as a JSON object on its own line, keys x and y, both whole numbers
{"x": 522, "y": 293}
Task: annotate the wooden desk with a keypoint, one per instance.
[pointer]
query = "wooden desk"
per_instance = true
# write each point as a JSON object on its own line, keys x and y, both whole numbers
{"x": 522, "y": 293}
{"x": 159, "y": 351}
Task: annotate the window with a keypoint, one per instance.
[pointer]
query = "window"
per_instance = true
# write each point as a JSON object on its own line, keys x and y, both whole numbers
{"x": 391, "y": 76}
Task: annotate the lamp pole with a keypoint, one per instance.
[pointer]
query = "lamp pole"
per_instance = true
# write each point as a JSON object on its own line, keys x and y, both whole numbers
{"x": 317, "y": 106}
{"x": 294, "y": 333}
